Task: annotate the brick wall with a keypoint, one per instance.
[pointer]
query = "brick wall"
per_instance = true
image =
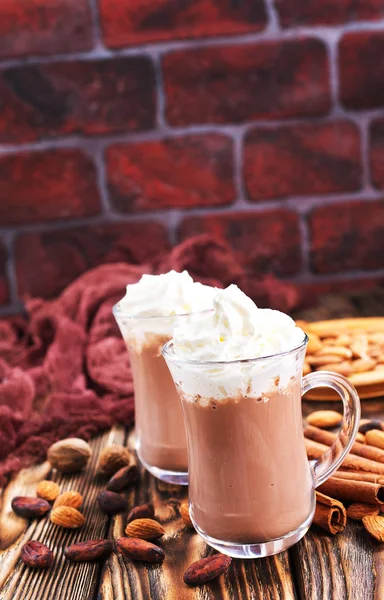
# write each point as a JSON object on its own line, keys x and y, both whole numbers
{"x": 252, "y": 120}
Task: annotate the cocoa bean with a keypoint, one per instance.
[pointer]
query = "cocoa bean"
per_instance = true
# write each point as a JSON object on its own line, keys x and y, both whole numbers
{"x": 89, "y": 551}
{"x": 144, "y": 511}
{"x": 206, "y": 569}
{"x": 123, "y": 478}
{"x": 29, "y": 507}
{"x": 138, "y": 549}
{"x": 111, "y": 503}
{"x": 36, "y": 555}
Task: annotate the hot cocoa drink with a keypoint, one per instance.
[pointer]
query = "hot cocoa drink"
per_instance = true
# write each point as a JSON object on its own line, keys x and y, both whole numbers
{"x": 147, "y": 316}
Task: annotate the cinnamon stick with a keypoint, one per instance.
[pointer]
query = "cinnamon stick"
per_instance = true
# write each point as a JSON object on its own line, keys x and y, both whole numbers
{"x": 353, "y": 491}
{"x": 327, "y": 438}
{"x": 330, "y": 514}
{"x": 351, "y": 461}
{"x": 359, "y": 476}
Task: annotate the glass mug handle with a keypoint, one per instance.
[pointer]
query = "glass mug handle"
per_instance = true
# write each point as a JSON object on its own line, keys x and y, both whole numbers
{"x": 327, "y": 463}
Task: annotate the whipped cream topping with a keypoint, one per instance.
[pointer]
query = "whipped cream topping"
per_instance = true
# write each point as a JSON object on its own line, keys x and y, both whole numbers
{"x": 236, "y": 330}
{"x": 164, "y": 295}
{"x": 170, "y": 299}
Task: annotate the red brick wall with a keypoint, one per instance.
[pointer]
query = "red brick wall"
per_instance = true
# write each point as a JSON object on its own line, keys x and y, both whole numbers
{"x": 247, "y": 119}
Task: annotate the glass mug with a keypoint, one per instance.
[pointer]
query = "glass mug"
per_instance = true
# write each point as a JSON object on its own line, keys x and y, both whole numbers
{"x": 251, "y": 486}
{"x": 161, "y": 443}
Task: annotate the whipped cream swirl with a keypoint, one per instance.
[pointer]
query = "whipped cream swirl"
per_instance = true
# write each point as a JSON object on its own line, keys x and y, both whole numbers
{"x": 236, "y": 330}
{"x": 164, "y": 295}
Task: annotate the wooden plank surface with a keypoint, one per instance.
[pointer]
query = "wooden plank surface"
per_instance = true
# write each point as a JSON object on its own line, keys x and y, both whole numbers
{"x": 320, "y": 567}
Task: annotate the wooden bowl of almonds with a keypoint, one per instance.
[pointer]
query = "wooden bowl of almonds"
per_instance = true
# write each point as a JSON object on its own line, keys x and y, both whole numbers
{"x": 352, "y": 347}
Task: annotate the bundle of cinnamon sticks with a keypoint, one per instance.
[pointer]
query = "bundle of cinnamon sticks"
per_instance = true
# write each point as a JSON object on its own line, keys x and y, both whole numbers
{"x": 356, "y": 490}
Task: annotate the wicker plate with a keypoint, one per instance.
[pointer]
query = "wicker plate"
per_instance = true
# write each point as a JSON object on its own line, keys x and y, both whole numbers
{"x": 339, "y": 326}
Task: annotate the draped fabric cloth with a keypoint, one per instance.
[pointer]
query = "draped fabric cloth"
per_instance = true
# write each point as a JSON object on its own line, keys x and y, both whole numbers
{"x": 64, "y": 368}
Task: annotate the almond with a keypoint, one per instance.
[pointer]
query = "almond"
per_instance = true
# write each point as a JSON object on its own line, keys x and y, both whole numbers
{"x": 49, "y": 490}
{"x": 30, "y": 508}
{"x": 113, "y": 458}
{"x": 67, "y": 517}
{"x": 374, "y": 437}
{"x": 358, "y": 510}
{"x": 70, "y": 498}
{"x": 184, "y": 512}
{"x": 375, "y": 527}
{"x": 143, "y": 511}
{"x": 89, "y": 551}
{"x": 36, "y": 555}
{"x": 137, "y": 549}
{"x": 146, "y": 529}
{"x": 206, "y": 569}
{"x": 325, "y": 418}
{"x": 70, "y": 455}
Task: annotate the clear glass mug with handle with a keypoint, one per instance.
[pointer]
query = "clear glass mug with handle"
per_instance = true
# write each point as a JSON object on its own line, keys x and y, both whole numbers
{"x": 251, "y": 486}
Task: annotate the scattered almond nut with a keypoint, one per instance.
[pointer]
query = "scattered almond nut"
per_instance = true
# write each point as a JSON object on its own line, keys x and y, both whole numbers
{"x": 374, "y": 437}
{"x": 206, "y": 569}
{"x": 375, "y": 527}
{"x": 67, "y": 517}
{"x": 70, "y": 455}
{"x": 70, "y": 498}
{"x": 49, "y": 490}
{"x": 358, "y": 510}
{"x": 184, "y": 512}
{"x": 325, "y": 418}
{"x": 113, "y": 458}
{"x": 146, "y": 529}
{"x": 36, "y": 555}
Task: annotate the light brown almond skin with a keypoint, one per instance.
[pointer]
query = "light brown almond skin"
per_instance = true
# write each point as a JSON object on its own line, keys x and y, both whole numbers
{"x": 89, "y": 551}
{"x": 112, "y": 459}
{"x": 143, "y": 511}
{"x": 49, "y": 490}
{"x": 324, "y": 418}
{"x": 138, "y": 549}
{"x": 358, "y": 510}
{"x": 36, "y": 555}
{"x": 146, "y": 529}
{"x": 67, "y": 517}
{"x": 375, "y": 527}
{"x": 184, "y": 512}
{"x": 29, "y": 507}
{"x": 206, "y": 569}
{"x": 69, "y": 498}
{"x": 70, "y": 455}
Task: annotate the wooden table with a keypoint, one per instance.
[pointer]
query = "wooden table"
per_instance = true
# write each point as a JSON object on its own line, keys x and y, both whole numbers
{"x": 320, "y": 567}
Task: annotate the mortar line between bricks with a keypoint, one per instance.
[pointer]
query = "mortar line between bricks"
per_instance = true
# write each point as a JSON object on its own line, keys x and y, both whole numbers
{"x": 174, "y": 216}
{"x": 231, "y": 129}
{"x": 97, "y": 35}
{"x": 272, "y": 16}
{"x": 163, "y": 47}
{"x": 8, "y": 240}
{"x": 160, "y": 93}
{"x": 305, "y": 246}
{"x": 365, "y": 152}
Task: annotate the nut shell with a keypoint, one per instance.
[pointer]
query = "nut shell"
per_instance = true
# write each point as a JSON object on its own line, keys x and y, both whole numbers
{"x": 70, "y": 455}
{"x": 67, "y": 517}
{"x": 111, "y": 503}
{"x": 36, "y": 555}
{"x": 89, "y": 551}
{"x": 30, "y": 508}
{"x": 113, "y": 458}
{"x": 137, "y": 549}
{"x": 206, "y": 569}
{"x": 146, "y": 529}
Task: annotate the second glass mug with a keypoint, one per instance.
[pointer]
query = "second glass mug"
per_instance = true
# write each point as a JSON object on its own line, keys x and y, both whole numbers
{"x": 161, "y": 442}
{"x": 251, "y": 486}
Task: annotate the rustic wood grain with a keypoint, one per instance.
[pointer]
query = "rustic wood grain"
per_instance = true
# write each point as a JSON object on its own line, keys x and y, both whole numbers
{"x": 268, "y": 578}
{"x": 64, "y": 580}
